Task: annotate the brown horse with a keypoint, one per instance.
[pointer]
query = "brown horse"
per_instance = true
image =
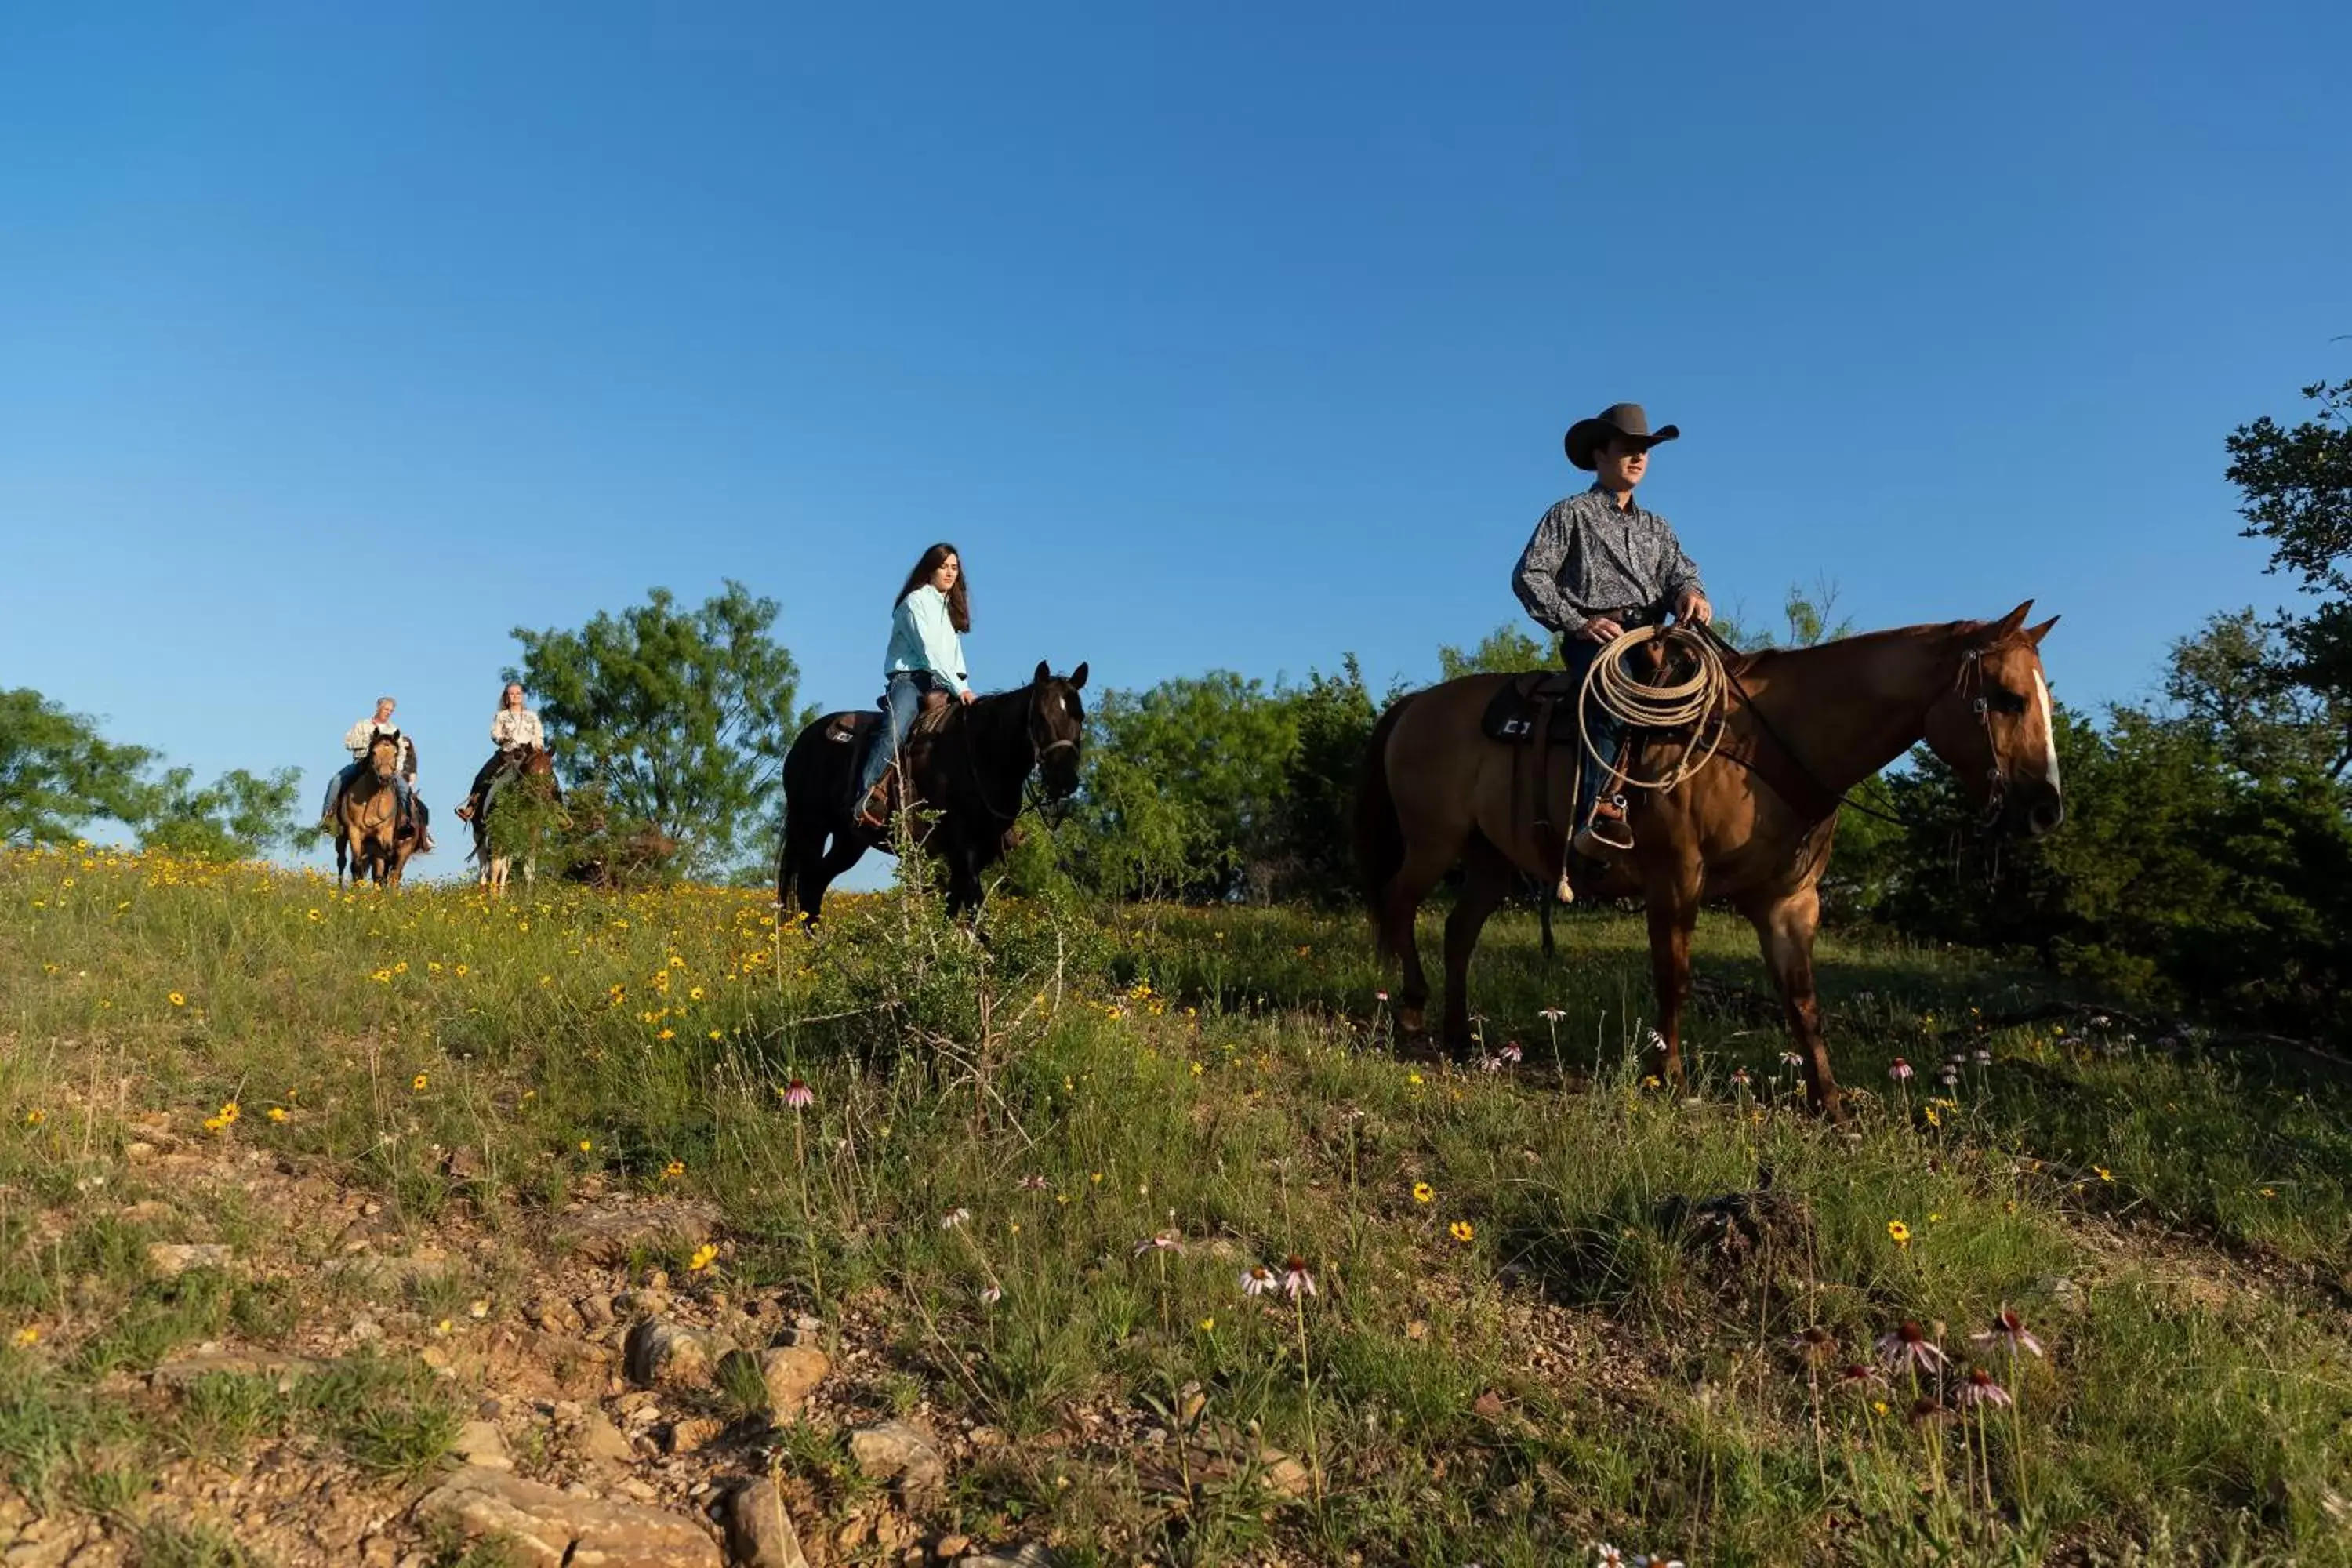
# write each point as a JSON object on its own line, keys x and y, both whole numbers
{"x": 524, "y": 774}
{"x": 1753, "y": 828}
{"x": 371, "y": 843}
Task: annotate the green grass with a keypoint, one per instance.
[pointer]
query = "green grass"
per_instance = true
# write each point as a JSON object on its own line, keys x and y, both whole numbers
{"x": 1587, "y": 1357}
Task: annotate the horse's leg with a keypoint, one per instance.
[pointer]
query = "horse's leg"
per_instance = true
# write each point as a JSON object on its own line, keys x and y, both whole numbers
{"x": 818, "y": 869}
{"x": 1784, "y": 929}
{"x": 1400, "y": 901}
{"x": 1485, "y": 883}
{"x": 1543, "y": 912}
{"x": 1672, "y": 903}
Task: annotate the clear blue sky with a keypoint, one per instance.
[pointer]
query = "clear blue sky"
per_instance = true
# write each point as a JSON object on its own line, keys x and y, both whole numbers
{"x": 337, "y": 340}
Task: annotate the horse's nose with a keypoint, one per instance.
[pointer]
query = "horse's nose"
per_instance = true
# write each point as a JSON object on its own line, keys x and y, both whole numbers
{"x": 2045, "y": 816}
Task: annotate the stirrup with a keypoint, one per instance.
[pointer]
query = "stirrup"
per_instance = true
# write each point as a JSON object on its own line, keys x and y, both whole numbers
{"x": 1605, "y": 832}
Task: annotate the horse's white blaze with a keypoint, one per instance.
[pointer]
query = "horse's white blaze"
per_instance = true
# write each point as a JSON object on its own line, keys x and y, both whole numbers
{"x": 2049, "y": 730}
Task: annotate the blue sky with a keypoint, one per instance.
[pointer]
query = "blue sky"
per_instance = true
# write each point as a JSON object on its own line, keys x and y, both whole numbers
{"x": 336, "y": 340}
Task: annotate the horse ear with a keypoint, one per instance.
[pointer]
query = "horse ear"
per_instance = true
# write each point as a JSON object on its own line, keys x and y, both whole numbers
{"x": 1044, "y": 673}
{"x": 2036, "y": 633}
{"x": 1079, "y": 677}
{"x": 2001, "y": 630}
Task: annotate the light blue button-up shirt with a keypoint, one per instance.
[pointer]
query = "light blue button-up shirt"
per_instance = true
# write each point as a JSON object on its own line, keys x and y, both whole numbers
{"x": 923, "y": 637}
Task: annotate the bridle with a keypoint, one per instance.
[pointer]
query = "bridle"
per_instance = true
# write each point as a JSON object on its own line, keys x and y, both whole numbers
{"x": 1971, "y": 676}
{"x": 1030, "y": 796}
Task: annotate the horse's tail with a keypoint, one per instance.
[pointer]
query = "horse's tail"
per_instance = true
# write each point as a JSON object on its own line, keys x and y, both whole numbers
{"x": 1380, "y": 835}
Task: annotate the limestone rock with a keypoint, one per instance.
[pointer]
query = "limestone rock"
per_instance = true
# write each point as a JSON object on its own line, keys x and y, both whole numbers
{"x": 894, "y": 1452}
{"x": 760, "y": 1533}
{"x": 172, "y": 1259}
{"x": 545, "y": 1528}
{"x": 661, "y": 1352}
{"x": 789, "y": 1373}
{"x": 597, "y": 1438}
{"x": 692, "y": 1435}
{"x": 479, "y": 1442}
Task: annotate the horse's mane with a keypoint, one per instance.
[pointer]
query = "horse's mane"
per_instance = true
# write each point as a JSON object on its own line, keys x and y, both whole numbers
{"x": 1762, "y": 660}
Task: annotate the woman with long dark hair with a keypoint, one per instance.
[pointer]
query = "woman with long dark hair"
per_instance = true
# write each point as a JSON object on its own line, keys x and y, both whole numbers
{"x": 925, "y": 656}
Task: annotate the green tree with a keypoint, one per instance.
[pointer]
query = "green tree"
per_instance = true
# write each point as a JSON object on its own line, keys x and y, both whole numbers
{"x": 2233, "y": 683}
{"x": 240, "y": 815}
{"x": 1506, "y": 650}
{"x": 2295, "y": 486}
{"x": 683, "y": 716}
{"x": 1316, "y": 855}
{"x": 1185, "y": 787}
{"x": 58, "y": 774}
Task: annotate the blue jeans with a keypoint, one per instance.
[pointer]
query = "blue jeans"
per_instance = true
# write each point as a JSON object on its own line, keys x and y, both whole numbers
{"x": 335, "y": 791}
{"x": 902, "y": 706}
{"x": 1578, "y": 656}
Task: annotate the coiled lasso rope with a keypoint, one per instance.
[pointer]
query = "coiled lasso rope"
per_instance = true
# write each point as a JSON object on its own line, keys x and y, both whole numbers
{"x": 1634, "y": 704}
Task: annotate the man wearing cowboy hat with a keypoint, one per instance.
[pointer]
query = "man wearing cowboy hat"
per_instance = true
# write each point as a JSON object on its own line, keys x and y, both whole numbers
{"x": 1599, "y": 566}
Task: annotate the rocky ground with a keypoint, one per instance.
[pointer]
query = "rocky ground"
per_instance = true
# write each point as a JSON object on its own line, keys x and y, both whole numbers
{"x": 606, "y": 1412}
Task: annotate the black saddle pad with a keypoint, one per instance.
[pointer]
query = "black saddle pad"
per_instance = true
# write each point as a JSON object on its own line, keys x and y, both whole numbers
{"x": 1516, "y": 712}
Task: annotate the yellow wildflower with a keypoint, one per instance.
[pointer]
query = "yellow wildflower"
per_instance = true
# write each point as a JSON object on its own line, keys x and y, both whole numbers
{"x": 1462, "y": 1230}
{"x": 28, "y": 1334}
{"x": 178, "y": 1000}
{"x": 34, "y": 1117}
{"x": 703, "y": 1256}
{"x": 1423, "y": 1192}
{"x": 1898, "y": 1232}
{"x": 417, "y": 1083}
{"x": 277, "y": 1113}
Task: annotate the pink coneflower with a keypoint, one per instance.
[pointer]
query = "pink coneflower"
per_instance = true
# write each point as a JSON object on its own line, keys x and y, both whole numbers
{"x": 2008, "y": 1329}
{"x": 1166, "y": 1241}
{"x": 954, "y": 1218}
{"x": 1982, "y": 1058}
{"x": 1257, "y": 1279}
{"x": 991, "y": 1296}
{"x": 1551, "y": 1015}
{"x": 1296, "y": 1280}
{"x": 1923, "y": 1410}
{"x": 1901, "y": 1071}
{"x": 1033, "y": 1184}
{"x": 1511, "y": 1054}
{"x": 1949, "y": 1077}
{"x": 799, "y": 1096}
{"x": 1817, "y": 1346}
{"x": 1792, "y": 1060}
{"x": 1379, "y": 995}
{"x": 1859, "y": 1379}
{"x": 1980, "y": 1389}
{"x": 1740, "y": 1079}
{"x": 1490, "y": 1064}
{"x": 1607, "y": 1556}
{"x": 1909, "y": 1346}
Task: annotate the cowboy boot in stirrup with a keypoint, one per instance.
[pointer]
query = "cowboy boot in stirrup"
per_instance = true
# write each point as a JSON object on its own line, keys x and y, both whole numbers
{"x": 1606, "y": 834}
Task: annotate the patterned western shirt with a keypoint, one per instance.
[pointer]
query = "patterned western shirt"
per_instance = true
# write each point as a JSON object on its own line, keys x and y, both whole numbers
{"x": 361, "y": 735}
{"x": 1590, "y": 555}
{"x": 516, "y": 727}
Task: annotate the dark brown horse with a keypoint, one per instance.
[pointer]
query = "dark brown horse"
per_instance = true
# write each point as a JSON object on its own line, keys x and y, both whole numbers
{"x": 1753, "y": 828}
{"x": 527, "y": 773}
{"x": 371, "y": 842}
{"x": 969, "y": 770}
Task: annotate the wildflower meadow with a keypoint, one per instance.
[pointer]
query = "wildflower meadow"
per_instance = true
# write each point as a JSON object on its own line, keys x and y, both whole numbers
{"x": 1147, "y": 1217}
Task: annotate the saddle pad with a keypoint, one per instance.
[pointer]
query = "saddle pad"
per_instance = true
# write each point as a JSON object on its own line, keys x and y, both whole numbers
{"x": 1511, "y": 717}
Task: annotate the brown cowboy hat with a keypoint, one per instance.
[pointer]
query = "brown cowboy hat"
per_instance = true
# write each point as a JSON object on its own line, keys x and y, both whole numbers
{"x": 1587, "y": 436}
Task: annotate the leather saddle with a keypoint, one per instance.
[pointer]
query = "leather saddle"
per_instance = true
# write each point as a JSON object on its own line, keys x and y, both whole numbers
{"x": 859, "y": 729}
{"x": 1539, "y": 702}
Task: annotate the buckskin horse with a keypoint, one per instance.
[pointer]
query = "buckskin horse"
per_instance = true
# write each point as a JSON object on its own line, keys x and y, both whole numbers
{"x": 371, "y": 842}
{"x": 968, "y": 766}
{"x": 526, "y": 774}
{"x": 1803, "y": 727}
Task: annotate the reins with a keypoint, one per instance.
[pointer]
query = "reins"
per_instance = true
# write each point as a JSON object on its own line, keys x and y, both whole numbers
{"x": 1796, "y": 759}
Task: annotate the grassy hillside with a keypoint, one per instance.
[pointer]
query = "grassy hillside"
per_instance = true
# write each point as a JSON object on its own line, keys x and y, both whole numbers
{"x": 1553, "y": 1303}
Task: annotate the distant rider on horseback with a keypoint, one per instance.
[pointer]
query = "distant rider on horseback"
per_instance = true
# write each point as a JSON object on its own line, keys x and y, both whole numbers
{"x": 356, "y": 740}
{"x": 513, "y": 728}
{"x": 925, "y": 656}
{"x": 1597, "y": 567}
